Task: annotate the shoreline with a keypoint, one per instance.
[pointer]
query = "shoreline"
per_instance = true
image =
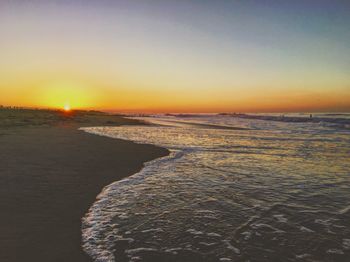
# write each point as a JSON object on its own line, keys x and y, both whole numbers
{"x": 50, "y": 177}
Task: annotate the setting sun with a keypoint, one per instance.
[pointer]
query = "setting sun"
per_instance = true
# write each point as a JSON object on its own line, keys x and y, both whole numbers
{"x": 67, "y": 107}
{"x": 65, "y": 95}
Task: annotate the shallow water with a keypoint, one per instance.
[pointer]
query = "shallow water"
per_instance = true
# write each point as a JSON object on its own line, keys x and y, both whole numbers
{"x": 272, "y": 191}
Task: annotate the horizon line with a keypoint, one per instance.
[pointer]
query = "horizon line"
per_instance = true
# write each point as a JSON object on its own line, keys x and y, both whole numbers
{"x": 150, "y": 111}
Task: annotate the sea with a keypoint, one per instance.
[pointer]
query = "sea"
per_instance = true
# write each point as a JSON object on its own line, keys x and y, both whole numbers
{"x": 233, "y": 188}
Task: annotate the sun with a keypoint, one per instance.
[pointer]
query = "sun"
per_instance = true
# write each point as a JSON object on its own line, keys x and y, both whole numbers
{"x": 67, "y": 107}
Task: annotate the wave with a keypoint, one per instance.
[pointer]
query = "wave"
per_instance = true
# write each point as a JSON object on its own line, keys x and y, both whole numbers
{"x": 99, "y": 232}
{"x": 226, "y": 195}
{"x": 336, "y": 121}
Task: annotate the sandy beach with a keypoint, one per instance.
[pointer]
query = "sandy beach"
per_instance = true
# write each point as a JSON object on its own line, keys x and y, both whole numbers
{"x": 50, "y": 174}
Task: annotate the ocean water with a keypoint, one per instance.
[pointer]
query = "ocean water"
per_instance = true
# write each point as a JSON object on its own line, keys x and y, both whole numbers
{"x": 232, "y": 189}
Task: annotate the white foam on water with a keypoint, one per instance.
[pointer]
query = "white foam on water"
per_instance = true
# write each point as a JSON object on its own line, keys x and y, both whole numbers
{"x": 335, "y": 251}
{"x": 280, "y": 218}
{"x": 194, "y": 232}
{"x": 231, "y": 247}
{"x": 346, "y": 244}
{"x": 305, "y": 229}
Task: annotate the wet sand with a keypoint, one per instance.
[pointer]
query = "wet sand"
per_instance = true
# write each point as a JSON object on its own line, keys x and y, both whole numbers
{"x": 49, "y": 177}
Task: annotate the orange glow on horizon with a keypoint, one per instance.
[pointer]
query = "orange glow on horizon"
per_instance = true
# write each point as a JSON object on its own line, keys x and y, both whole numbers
{"x": 63, "y": 94}
{"x": 67, "y": 108}
{"x": 89, "y": 95}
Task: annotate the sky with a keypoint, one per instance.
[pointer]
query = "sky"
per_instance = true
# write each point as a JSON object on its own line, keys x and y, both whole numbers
{"x": 176, "y": 56}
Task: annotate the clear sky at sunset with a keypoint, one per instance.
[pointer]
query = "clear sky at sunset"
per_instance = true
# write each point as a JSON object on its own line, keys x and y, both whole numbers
{"x": 176, "y": 56}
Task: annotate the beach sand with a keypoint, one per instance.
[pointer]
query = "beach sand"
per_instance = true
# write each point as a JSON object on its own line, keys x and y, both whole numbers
{"x": 50, "y": 174}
